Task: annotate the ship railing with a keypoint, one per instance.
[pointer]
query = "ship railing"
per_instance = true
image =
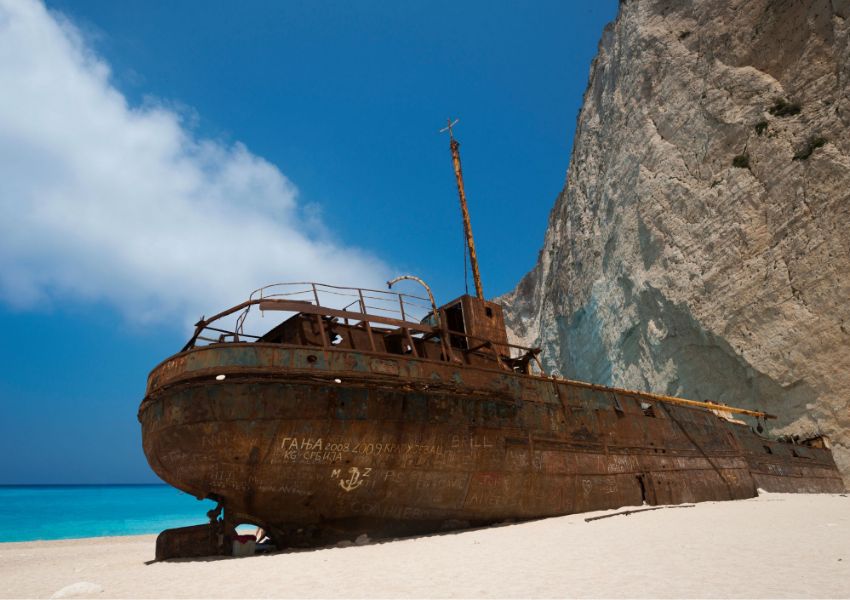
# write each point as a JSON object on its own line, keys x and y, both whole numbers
{"x": 411, "y": 315}
{"x": 390, "y": 309}
{"x": 396, "y": 310}
{"x": 393, "y": 305}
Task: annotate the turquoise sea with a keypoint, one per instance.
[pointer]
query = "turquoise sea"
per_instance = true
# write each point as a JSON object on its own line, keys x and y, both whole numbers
{"x": 51, "y": 512}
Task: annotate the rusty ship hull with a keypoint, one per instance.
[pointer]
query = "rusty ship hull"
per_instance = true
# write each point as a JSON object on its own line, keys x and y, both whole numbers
{"x": 320, "y": 443}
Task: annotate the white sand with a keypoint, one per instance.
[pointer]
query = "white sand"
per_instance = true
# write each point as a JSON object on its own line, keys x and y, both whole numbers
{"x": 778, "y": 545}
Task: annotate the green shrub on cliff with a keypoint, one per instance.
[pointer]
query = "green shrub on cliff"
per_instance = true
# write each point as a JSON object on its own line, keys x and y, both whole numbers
{"x": 809, "y": 147}
{"x": 742, "y": 161}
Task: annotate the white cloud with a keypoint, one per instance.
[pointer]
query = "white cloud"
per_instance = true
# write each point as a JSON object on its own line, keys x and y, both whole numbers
{"x": 101, "y": 201}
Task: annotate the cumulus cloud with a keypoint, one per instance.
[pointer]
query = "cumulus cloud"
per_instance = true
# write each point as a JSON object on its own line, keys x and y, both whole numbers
{"x": 107, "y": 202}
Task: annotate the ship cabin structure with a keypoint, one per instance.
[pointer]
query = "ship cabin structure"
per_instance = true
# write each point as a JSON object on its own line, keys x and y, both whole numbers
{"x": 466, "y": 331}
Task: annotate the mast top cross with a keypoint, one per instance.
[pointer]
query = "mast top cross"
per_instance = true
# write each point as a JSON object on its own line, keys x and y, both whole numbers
{"x": 449, "y": 126}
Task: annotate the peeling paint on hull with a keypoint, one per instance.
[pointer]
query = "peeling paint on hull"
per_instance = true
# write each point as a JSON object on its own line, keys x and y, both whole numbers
{"x": 321, "y": 444}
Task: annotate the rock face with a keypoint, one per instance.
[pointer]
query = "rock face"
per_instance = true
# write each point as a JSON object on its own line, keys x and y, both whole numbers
{"x": 701, "y": 245}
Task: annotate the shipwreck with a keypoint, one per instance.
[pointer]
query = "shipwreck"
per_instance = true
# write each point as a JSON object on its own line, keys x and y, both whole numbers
{"x": 381, "y": 413}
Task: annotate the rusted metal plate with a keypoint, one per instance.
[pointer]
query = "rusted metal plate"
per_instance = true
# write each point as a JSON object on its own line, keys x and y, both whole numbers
{"x": 343, "y": 443}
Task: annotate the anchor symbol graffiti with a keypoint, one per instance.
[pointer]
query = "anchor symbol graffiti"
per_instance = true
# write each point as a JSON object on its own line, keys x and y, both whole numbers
{"x": 355, "y": 479}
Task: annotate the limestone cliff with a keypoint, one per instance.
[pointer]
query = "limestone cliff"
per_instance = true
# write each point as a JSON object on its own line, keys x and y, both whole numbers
{"x": 701, "y": 245}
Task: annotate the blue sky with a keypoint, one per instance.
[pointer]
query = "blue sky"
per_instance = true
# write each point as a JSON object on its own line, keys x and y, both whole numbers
{"x": 160, "y": 160}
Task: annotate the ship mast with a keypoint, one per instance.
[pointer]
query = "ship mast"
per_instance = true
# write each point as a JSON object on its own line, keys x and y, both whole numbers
{"x": 467, "y": 226}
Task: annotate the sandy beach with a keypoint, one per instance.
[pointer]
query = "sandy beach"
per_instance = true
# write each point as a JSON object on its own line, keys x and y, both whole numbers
{"x": 777, "y": 545}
